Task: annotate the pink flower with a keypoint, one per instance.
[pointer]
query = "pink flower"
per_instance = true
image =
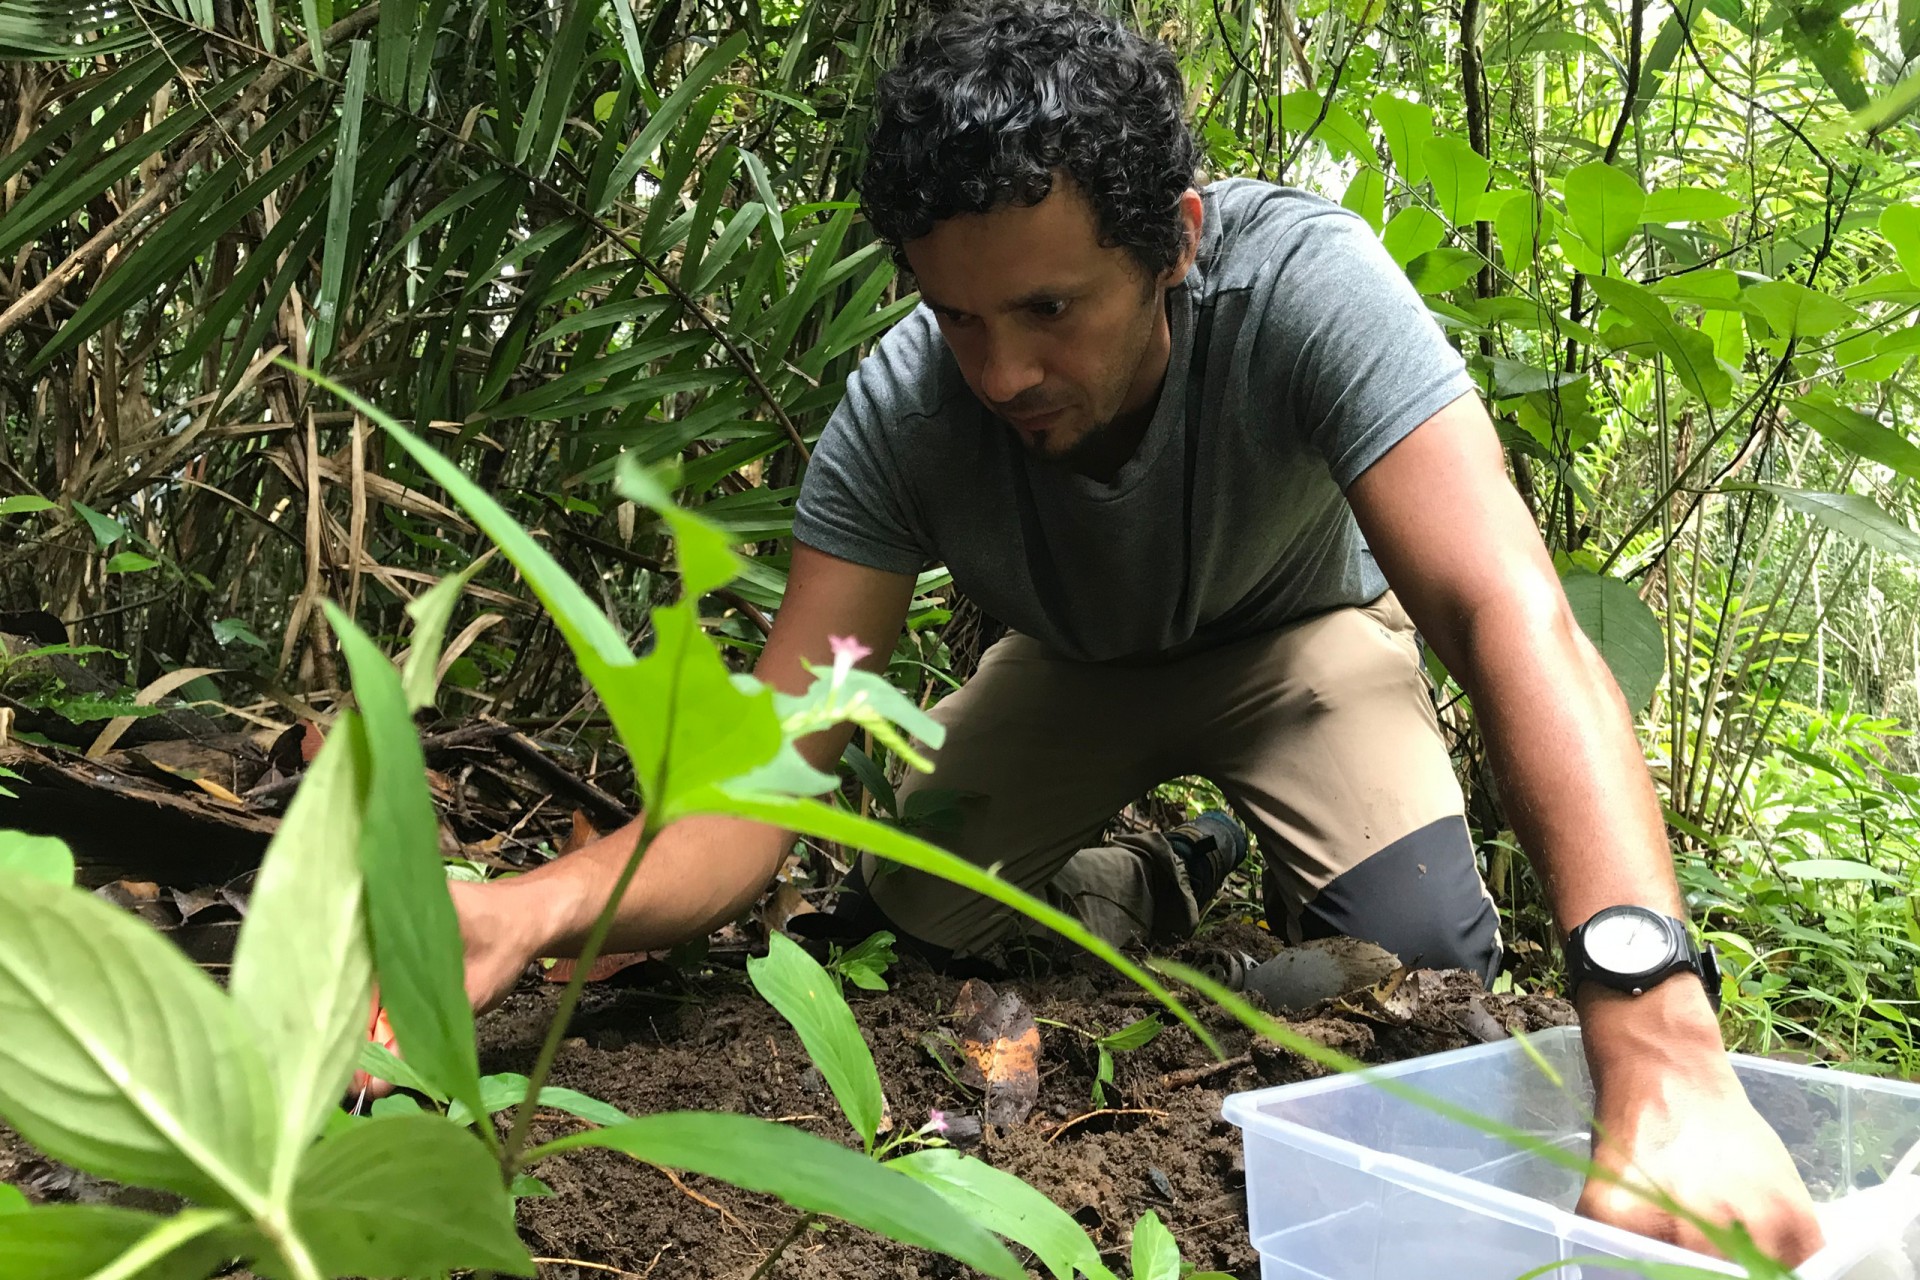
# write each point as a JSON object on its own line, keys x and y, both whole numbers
{"x": 847, "y": 649}
{"x": 937, "y": 1121}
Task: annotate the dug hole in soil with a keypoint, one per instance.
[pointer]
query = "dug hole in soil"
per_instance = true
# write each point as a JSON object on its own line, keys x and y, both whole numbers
{"x": 656, "y": 1039}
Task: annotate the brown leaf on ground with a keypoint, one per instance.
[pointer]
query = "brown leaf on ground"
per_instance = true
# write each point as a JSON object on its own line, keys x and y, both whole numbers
{"x": 1002, "y": 1047}
{"x": 582, "y": 835}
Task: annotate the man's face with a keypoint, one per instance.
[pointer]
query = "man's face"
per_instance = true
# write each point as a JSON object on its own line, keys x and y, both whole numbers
{"x": 1063, "y": 339}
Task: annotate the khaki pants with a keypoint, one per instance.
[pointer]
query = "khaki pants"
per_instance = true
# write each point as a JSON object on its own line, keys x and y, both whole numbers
{"x": 1321, "y": 735}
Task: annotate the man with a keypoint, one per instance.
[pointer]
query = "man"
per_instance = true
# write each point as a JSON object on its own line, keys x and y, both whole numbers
{"x": 1182, "y": 441}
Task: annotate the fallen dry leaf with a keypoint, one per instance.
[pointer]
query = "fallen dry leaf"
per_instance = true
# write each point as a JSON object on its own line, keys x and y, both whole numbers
{"x": 1002, "y": 1048}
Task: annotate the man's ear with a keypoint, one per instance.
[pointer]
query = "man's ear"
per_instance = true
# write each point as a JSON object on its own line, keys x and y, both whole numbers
{"x": 1192, "y": 215}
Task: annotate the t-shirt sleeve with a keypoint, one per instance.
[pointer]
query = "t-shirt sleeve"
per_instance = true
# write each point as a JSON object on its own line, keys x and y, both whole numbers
{"x": 853, "y": 501}
{"x": 1362, "y": 363}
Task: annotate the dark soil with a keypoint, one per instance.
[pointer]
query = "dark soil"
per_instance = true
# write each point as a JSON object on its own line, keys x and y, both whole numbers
{"x": 654, "y": 1039}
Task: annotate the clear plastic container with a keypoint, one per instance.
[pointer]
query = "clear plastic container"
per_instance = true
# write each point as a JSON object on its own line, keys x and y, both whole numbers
{"x": 1348, "y": 1182}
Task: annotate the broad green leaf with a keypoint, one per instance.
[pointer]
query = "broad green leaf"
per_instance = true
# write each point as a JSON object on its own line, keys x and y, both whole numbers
{"x": 12, "y": 1199}
{"x": 406, "y": 1196}
{"x": 1690, "y": 351}
{"x": 21, "y": 504}
{"x": 418, "y": 957}
{"x": 1851, "y": 515}
{"x": 1412, "y": 232}
{"x": 1713, "y": 288}
{"x": 228, "y": 630}
{"x": 1687, "y": 204}
{"x": 1604, "y": 204}
{"x": 1156, "y": 1255}
{"x": 808, "y": 1173}
{"x": 302, "y": 969}
{"x": 1443, "y": 270}
{"x": 805, "y": 995}
{"x": 44, "y": 858}
{"x": 1623, "y": 629}
{"x": 1407, "y": 126}
{"x": 81, "y": 1242}
{"x": 120, "y": 1056}
{"x": 1009, "y": 1207}
{"x": 1900, "y": 225}
{"x": 1856, "y": 432}
{"x": 700, "y": 548}
{"x": 1335, "y": 126}
{"x": 1836, "y": 869}
{"x": 1135, "y": 1035}
{"x": 382, "y": 1063}
{"x": 1366, "y": 195}
{"x": 1523, "y": 222}
{"x": 131, "y": 562}
{"x": 106, "y": 530}
{"x": 498, "y": 1092}
{"x": 1459, "y": 176}
{"x": 431, "y": 610}
{"x": 1792, "y": 310}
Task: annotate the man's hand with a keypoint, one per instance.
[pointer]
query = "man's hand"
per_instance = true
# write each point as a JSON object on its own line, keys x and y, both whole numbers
{"x": 1670, "y": 1114}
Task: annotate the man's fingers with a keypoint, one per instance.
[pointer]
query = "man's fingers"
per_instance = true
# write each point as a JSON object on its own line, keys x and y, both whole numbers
{"x": 1785, "y": 1230}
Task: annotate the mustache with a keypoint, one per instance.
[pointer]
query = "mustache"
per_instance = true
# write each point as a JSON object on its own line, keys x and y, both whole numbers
{"x": 1025, "y": 405}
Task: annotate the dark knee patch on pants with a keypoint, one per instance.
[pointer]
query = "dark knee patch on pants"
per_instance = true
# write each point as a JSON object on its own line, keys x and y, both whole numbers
{"x": 1420, "y": 898}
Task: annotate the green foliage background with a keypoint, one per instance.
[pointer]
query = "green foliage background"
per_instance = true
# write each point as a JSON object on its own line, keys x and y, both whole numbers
{"x": 1678, "y": 242}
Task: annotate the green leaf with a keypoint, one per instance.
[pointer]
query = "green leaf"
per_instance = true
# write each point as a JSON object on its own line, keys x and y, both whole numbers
{"x": 227, "y": 630}
{"x": 106, "y": 530}
{"x": 1366, "y": 195}
{"x": 700, "y": 548}
{"x": 805, "y": 995}
{"x": 45, "y": 858}
{"x": 21, "y": 504}
{"x": 1443, "y": 270}
{"x": 1412, "y": 232}
{"x": 1135, "y": 1035}
{"x": 431, "y": 610}
{"x": 340, "y": 207}
{"x": 506, "y": 1089}
{"x": 1856, "y": 432}
{"x": 1687, "y": 204}
{"x": 1819, "y": 32}
{"x": 1459, "y": 176}
{"x": 1690, "y": 351}
{"x": 382, "y": 1063}
{"x": 1836, "y": 869}
{"x": 1009, "y": 1207}
{"x": 1156, "y": 1255}
{"x": 406, "y": 1196}
{"x": 808, "y": 1173}
{"x": 1792, "y": 310}
{"x": 1851, "y": 515}
{"x": 664, "y": 121}
{"x": 1407, "y": 126}
{"x": 120, "y": 1056}
{"x": 1523, "y": 222}
{"x": 1900, "y": 225}
{"x": 865, "y": 964}
{"x": 131, "y": 562}
{"x": 1623, "y": 629}
{"x": 418, "y": 957}
{"x": 302, "y": 970}
{"x": 12, "y": 1199}
{"x": 82, "y": 1242}
{"x": 1604, "y": 204}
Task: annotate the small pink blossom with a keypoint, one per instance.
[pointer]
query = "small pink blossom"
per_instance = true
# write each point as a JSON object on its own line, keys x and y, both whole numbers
{"x": 936, "y": 1121}
{"x": 847, "y": 649}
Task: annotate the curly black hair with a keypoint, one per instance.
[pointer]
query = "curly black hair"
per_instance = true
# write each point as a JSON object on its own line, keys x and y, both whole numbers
{"x": 989, "y": 101}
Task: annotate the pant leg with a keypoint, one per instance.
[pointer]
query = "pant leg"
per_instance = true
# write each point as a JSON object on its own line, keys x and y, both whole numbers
{"x": 1327, "y": 745}
{"x": 1040, "y": 754}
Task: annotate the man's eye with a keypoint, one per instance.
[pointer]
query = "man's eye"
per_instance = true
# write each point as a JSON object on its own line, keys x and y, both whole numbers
{"x": 1051, "y": 309}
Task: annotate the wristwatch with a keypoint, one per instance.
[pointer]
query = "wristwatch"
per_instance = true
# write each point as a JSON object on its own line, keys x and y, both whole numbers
{"x": 1632, "y": 949}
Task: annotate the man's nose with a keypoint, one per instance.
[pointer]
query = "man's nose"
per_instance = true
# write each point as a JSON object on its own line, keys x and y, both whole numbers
{"x": 1009, "y": 369}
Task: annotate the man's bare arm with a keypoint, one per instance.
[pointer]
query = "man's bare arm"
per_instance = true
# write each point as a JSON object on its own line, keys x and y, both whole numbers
{"x": 1462, "y": 552}
{"x": 701, "y": 871}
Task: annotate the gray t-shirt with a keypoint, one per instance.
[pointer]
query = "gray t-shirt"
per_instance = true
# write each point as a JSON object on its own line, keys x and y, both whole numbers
{"x": 1301, "y": 354}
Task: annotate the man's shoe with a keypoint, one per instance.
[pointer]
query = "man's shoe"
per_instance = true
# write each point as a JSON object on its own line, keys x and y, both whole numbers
{"x": 1211, "y": 845}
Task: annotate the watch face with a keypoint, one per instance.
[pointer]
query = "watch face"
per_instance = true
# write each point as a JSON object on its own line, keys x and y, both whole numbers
{"x": 1628, "y": 942}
